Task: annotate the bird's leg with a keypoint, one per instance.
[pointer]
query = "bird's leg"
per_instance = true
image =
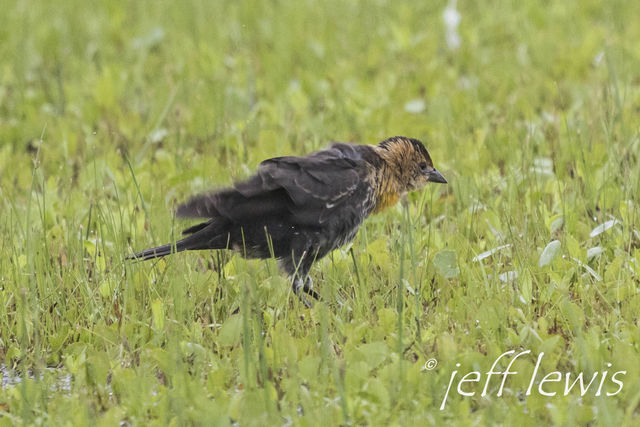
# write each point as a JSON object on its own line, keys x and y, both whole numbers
{"x": 301, "y": 282}
{"x": 308, "y": 289}
{"x": 299, "y": 288}
{"x": 302, "y": 287}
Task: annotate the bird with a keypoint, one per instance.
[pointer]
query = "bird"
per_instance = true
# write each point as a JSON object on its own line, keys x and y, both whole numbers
{"x": 298, "y": 209}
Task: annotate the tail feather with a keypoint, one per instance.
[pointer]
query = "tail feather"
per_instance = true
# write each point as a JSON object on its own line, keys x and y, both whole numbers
{"x": 194, "y": 229}
{"x": 205, "y": 236}
{"x": 157, "y": 252}
{"x": 194, "y": 241}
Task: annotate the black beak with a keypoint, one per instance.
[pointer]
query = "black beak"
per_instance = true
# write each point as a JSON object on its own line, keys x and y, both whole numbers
{"x": 435, "y": 176}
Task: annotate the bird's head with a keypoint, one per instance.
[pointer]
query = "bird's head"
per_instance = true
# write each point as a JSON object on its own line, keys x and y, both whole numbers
{"x": 410, "y": 163}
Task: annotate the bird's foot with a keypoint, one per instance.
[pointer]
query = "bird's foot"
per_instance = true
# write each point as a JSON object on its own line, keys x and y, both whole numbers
{"x": 301, "y": 288}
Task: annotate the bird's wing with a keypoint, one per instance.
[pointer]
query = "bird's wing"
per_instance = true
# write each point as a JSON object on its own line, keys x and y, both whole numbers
{"x": 323, "y": 185}
{"x": 311, "y": 189}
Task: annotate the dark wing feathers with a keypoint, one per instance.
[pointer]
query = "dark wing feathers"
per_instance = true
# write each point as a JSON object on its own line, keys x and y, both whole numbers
{"x": 233, "y": 205}
{"x": 325, "y": 175}
{"x": 201, "y": 206}
{"x": 308, "y": 189}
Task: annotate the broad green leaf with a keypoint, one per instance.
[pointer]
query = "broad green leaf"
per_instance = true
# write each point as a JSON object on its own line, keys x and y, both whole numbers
{"x": 107, "y": 287}
{"x": 90, "y": 247}
{"x": 490, "y": 252}
{"x": 379, "y": 253}
{"x": 373, "y": 353}
{"x": 549, "y": 253}
{"x": 556, "y": 224}
{"x": 603, "y": 227}
{"x": 446, "y": 263}
{"x": 594, "y": 252}
{"x": 230, "y": 332}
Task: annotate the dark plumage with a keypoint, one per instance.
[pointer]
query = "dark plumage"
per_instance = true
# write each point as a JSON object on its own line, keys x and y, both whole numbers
{"x": 298, "y": 209}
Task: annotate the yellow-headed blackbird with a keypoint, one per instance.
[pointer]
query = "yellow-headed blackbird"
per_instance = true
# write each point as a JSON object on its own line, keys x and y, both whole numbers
{"x": 298, "y": 209}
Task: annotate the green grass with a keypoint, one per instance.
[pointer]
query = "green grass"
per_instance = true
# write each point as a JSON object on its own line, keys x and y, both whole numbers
{"x": 113, "y": 112}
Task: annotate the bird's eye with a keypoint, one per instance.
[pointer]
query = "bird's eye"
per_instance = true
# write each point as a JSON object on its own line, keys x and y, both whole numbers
{"x": 423, "y": 166}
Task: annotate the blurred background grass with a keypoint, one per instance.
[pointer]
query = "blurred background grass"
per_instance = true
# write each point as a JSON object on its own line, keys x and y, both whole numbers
{"x": 533, "y": 119}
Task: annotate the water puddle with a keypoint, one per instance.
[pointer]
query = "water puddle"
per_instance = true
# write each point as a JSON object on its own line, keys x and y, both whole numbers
{"x": 61, "y": 381}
